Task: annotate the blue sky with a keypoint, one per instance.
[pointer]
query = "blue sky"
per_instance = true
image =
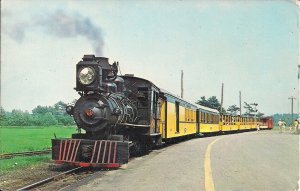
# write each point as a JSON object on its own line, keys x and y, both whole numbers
{"x": 250, "y": 46}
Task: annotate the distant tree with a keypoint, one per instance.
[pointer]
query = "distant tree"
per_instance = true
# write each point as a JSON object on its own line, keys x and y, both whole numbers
{"x": 37, "y": 120}
{"x": 233, "y": 109}
{"x": 49, "y": 119}
{"x": 58, "y": 111}
{"x": 214, "y": 102}
{"x": 249, "y": 110}
{"x": 42, "y": 109}
{"x": 65, "y": 120}
{"x": 60, "y": 108}
{"x": 287, "y": 117}
{"x": 203, "y": 102}
{"x": 3, "y": 117}
{"x": 211, "y": 102}
{"x": 2, "y": 113}
{"x": 259, "y": 114}
{"x": 18, "y": 118}
{"x": 41, "y": 116}
{"x": 46, "y": 119}
{"x": 61, "y": 115}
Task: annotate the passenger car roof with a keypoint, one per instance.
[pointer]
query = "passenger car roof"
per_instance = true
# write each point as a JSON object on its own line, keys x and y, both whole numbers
{"x": 203, "y": 108}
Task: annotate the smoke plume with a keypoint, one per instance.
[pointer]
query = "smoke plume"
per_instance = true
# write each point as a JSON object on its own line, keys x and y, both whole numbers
{"x": 61, "y": 25}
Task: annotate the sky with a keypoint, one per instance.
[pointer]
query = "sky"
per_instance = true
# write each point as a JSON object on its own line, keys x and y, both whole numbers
{"x": 250, "y": 46}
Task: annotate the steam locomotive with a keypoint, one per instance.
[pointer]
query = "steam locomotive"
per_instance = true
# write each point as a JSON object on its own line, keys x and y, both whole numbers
{"x": 114, "y": 111}
{"x": 123, "y": 115}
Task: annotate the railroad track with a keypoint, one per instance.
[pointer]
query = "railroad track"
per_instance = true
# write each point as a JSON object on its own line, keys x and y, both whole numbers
{"x": 50, "y": 179}
{"x": 65, "y": 179}
{"x": 27, "y": 153}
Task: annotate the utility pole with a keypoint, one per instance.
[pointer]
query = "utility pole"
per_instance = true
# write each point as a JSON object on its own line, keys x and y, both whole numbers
{"x": 298, "y": 117}
{"x": 240, "y": 103}
{"x": 221, "y": 109}
{"x": 292, "y": 107}
{"x": 298, "y": 18}
{"x": 298, "y": 91}
{"x": 181, "y": 83}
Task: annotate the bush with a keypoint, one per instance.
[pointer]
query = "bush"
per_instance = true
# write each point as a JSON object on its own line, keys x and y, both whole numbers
{"x": 41, "y": 116}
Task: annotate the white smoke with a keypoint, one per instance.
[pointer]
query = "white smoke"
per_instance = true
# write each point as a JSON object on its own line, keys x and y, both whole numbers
{"x": 61, "y": 25}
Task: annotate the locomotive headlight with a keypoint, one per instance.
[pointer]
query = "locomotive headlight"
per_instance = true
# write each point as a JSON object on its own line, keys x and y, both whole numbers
{"x": 86, "y": 75}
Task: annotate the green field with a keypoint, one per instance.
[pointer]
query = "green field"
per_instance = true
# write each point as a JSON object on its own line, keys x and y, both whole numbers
{"x": 17, "y": 139}
{"x": 16, "y": 163}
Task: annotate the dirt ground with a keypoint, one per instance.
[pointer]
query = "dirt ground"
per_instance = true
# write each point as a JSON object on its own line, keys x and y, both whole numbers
{"x": 22, "y": 177}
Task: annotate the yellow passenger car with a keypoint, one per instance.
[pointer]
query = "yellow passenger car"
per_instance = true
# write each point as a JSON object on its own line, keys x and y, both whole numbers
{"x": 243, "y": 124}
{"x": 208, "y": 120}
{"x": 179, "y": 117}
{"x": 229, "y": 123}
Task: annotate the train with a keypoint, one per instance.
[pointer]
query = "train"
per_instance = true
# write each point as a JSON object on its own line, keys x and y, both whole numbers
{"x": 122, "y": 115}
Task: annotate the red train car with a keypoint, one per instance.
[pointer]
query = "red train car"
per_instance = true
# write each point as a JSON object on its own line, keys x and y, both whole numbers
{"x": 267, "y": 122}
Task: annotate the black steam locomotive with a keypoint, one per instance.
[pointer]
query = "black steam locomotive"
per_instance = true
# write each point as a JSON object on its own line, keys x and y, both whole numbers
{"x": 114, "y": 112}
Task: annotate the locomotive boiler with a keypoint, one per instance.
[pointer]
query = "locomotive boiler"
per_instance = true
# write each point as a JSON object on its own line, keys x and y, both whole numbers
{"x": 102, "y": 105}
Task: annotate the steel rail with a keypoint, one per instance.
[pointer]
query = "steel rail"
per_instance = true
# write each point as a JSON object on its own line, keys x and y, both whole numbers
{"x": 27, "y": 153}
{"x": 47, "y": 180}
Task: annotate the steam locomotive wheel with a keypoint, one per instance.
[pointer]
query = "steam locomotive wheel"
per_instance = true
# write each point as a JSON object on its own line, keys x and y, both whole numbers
{"x": 137, "y": 148}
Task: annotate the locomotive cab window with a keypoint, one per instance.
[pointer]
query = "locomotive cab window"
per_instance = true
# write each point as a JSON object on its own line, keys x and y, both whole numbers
{"x": 142, "y": 96}
{"x": 154, "y": 102}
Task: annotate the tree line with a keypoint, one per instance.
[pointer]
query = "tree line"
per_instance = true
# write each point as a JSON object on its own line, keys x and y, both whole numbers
{"x": 213, "y": 102}
{"x": 287, "y": 117}
{"x": 56, "y": 114}
{"x": 250, "y": 110}
{"x": 40, "y": 116}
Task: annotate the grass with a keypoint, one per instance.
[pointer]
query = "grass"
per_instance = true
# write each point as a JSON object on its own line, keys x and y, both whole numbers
{"x": 21, "y": 162}
{"x": 18, "y": 139}
{"x": 28, "y": 138}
